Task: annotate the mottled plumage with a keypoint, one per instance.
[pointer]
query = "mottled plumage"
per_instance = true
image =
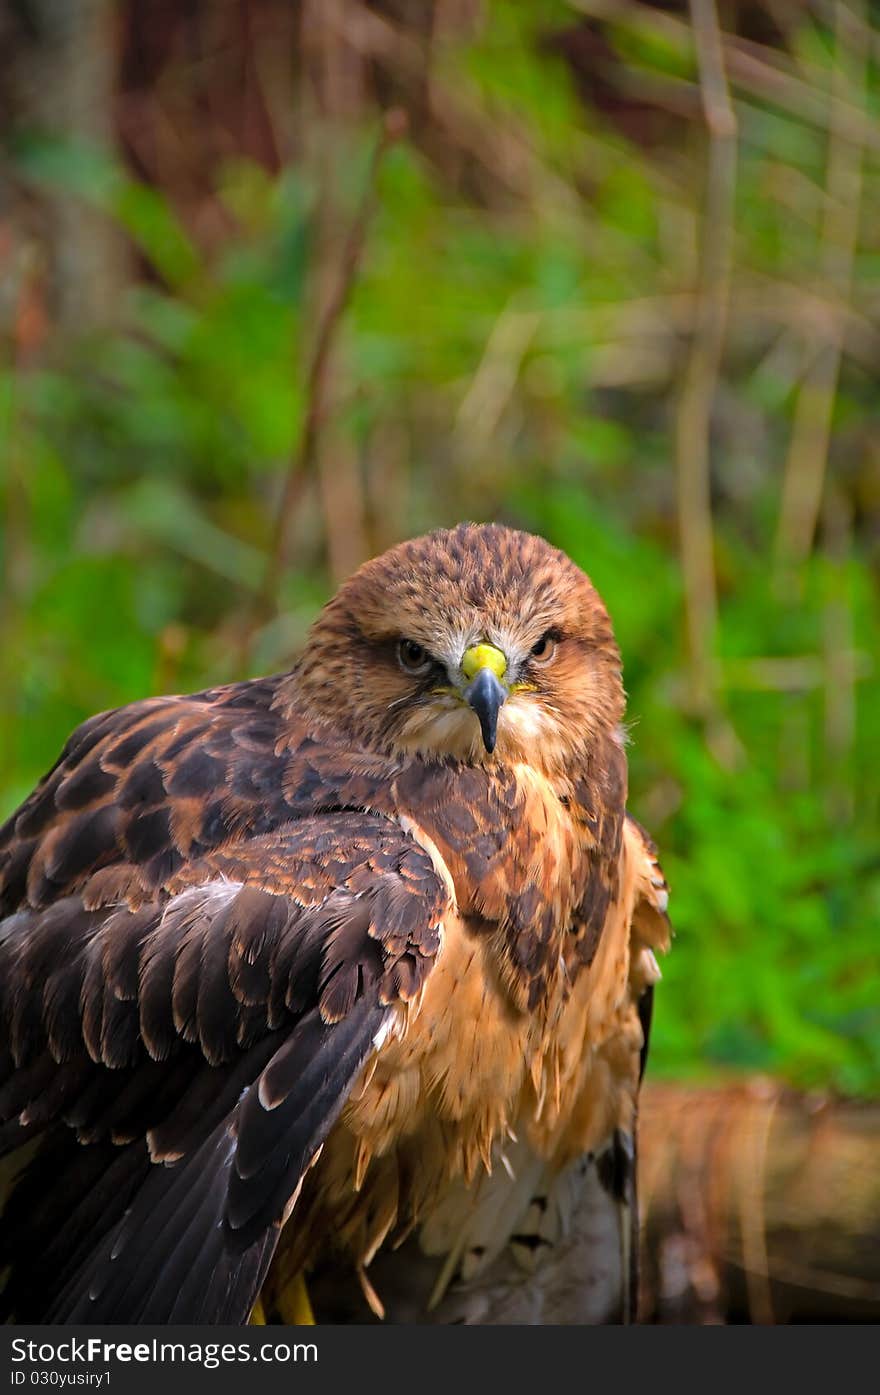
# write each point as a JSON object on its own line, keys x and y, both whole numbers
{"x": 311, "y": 951}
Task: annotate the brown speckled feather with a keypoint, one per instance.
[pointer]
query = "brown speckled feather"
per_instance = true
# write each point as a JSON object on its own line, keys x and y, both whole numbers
{"x": 299, "y": 948}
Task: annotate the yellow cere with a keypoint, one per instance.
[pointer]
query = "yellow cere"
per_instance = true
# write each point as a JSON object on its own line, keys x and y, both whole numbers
{"x": 483, "y": 656}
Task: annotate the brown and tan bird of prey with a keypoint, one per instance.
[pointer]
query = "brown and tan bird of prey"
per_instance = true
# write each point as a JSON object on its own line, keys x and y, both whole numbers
{"x": 295, "y": 969}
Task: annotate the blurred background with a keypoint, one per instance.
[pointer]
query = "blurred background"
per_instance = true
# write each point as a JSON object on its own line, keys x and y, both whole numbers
{"x": 283, "y": 283}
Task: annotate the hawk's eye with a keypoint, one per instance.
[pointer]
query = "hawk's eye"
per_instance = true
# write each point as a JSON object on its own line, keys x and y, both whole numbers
{"x": 413, "y": 658}
{"x": 544, "y": 650}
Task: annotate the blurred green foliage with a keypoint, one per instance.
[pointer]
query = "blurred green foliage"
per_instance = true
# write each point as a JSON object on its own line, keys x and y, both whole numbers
{"x": 513, "y": 355}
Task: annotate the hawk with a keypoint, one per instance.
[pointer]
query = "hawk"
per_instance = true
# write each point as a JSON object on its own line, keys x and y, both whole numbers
{"x": 298, "y": 968}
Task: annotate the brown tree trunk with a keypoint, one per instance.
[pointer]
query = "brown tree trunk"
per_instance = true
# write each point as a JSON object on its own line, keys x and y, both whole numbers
{"x": 63, "y": 77}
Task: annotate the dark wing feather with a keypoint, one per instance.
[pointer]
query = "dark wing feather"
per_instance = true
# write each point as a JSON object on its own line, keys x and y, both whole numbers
{"x": 170, "y": 1258}
{"x": 196, "y": 961}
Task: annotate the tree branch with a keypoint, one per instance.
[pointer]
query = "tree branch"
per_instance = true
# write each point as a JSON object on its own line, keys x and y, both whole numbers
{"x": 303, "y": 465}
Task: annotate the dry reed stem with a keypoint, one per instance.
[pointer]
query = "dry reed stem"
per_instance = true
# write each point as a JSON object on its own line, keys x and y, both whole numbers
{"x": 807, "y": 460}
{"x": 750, "y": 1182}
{"x": 839, "y": 672}
{"x": 693, "y": 418}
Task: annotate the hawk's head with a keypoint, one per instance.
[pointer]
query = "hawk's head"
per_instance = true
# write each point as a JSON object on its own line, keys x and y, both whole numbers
{"x": 478, "y": 643}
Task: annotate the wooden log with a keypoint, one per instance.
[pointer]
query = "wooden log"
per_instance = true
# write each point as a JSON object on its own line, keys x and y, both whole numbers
{"x": 758, "y": 1205}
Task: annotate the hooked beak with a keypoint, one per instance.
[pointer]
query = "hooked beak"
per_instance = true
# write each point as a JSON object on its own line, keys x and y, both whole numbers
{"x": 485, "y": 666}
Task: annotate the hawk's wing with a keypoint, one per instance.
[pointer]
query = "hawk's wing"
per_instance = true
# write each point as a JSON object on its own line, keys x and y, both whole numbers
{"x": 179, "y": 1045}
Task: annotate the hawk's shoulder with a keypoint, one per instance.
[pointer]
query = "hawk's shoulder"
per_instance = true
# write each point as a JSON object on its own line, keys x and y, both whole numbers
{"x": 146, "y": 786}
{"x": 142, "y": 792}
